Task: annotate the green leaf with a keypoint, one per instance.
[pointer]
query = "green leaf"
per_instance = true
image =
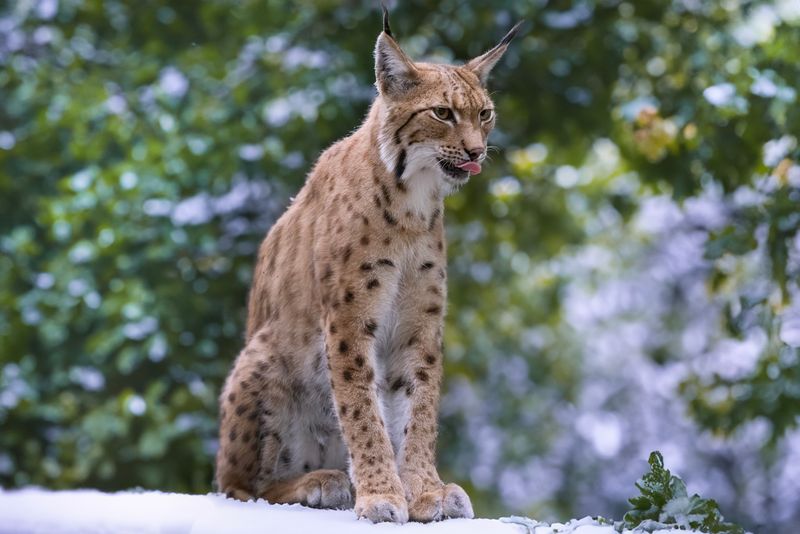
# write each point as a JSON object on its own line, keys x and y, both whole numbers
{"x": 664, "y": 503}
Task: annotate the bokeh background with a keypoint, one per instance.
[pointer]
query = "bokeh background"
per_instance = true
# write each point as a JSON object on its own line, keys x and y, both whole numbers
{"x": 623, "y": 275}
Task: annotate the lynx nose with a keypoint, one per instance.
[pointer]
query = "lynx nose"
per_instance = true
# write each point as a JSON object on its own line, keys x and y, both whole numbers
{"x": 475, "y": 153}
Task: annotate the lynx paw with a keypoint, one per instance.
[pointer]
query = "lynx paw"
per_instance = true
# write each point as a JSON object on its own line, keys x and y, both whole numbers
{"x": 327, "y": 489}
{"x": 238, "y": 494}
{"x": 380, "y": 508}
{"x": 456, "y": 502}
{"x": 449, "y": 501}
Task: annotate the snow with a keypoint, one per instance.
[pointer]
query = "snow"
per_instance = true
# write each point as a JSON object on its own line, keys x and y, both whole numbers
{"x": 34, "y": 511}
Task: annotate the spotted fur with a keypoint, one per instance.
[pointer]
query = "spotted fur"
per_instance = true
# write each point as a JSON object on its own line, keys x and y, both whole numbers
{"x": 333, "y": 401}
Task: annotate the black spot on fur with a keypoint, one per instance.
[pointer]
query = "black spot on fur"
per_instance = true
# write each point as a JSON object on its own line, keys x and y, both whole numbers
{"x": 347, "y": 375}
{"x": 348, "y": 296}
{"x": 428, "y": 265}
{"x": 398, "y": 384}
{"x": 231, "y": 397}
{"x": 360, "y": 361}
{"x": 241, "y": 409}
{"x": 430, "y": 359}
{"x": 400, "y": 168}
{"x": 327, "y": 273}
{"x": 356, "y": 413}
{"x": 366, "y": 266}
{"x": 422, "y": 376}
{"x": 370, "y": 326}
{"x": 389, "y": 218}
{"x": 432, "y": 222}
{"x": 386, "y": 196}
{"x": 386, "y": 262}
{"x": 286, "y": 457}
{"x": 343, "y": 346}
{"x": 364, "y": 240}
{"x": 232, "y": 435}
{"x": 433, "y": 310}
{"x": 372, "y": 284}
{"x": 348, "y": 251}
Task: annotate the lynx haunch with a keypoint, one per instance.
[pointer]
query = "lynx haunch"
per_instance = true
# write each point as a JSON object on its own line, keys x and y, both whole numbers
{"x": 333, "y": 401}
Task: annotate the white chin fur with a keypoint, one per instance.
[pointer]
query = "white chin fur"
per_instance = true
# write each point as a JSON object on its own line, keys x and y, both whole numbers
{"x": 426, "y": 182}
{"x": 423, "y": 179}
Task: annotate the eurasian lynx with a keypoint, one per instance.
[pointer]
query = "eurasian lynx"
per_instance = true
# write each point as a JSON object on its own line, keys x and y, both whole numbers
{"x": 339, "y": 380}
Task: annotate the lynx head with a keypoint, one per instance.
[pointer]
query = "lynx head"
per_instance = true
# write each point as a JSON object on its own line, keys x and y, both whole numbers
{"x": 435, "y": 117}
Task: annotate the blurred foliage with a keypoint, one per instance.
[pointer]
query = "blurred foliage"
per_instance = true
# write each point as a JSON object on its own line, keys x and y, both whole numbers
{"x": 145, "y": 148}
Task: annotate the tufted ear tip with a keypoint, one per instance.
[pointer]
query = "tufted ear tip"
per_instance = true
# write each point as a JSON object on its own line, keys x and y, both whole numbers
{"x": 511, "y": 33}
{"x": 483, "y": 64}
{"x": 395, "y": 73}
{"x": 386, "y": 28}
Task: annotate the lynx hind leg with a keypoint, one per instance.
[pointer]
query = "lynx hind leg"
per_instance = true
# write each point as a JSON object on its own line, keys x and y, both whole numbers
{"x": 241, "y": 435}
{"x": 324, "y": 488}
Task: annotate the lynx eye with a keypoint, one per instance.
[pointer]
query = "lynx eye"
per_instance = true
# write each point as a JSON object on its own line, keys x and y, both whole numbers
{"x": 486, "y": 114}
{"x": 443, "y": 113}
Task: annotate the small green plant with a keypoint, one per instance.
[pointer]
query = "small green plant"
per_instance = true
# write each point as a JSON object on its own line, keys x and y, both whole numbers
{"x": 664, "y": 503}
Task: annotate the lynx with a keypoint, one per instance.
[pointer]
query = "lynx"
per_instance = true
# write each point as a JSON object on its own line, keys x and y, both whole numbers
{"x": 333, "y": 401}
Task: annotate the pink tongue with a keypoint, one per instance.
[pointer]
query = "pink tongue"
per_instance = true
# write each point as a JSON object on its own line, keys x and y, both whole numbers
{"x": 472, "y": 166}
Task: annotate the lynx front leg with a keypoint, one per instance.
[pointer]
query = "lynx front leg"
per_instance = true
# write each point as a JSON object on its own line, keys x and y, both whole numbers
{"x": 428, "y": 497}
{"x": 355, "y": 302}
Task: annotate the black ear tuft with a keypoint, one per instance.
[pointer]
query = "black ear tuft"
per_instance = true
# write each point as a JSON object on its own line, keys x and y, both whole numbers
{"x": 482, "y": 65}
{"x": 386, "y": 29}
{"x": 511, "y": 33}
{"x": 395, "y": 73}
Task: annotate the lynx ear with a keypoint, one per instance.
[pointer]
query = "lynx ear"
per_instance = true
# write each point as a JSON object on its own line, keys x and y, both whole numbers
{"x": 482, "y": 65}
{"x": 395, "y": 73}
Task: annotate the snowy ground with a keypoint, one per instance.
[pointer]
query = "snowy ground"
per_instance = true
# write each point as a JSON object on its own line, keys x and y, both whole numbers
{"x": 37, "y": 511}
